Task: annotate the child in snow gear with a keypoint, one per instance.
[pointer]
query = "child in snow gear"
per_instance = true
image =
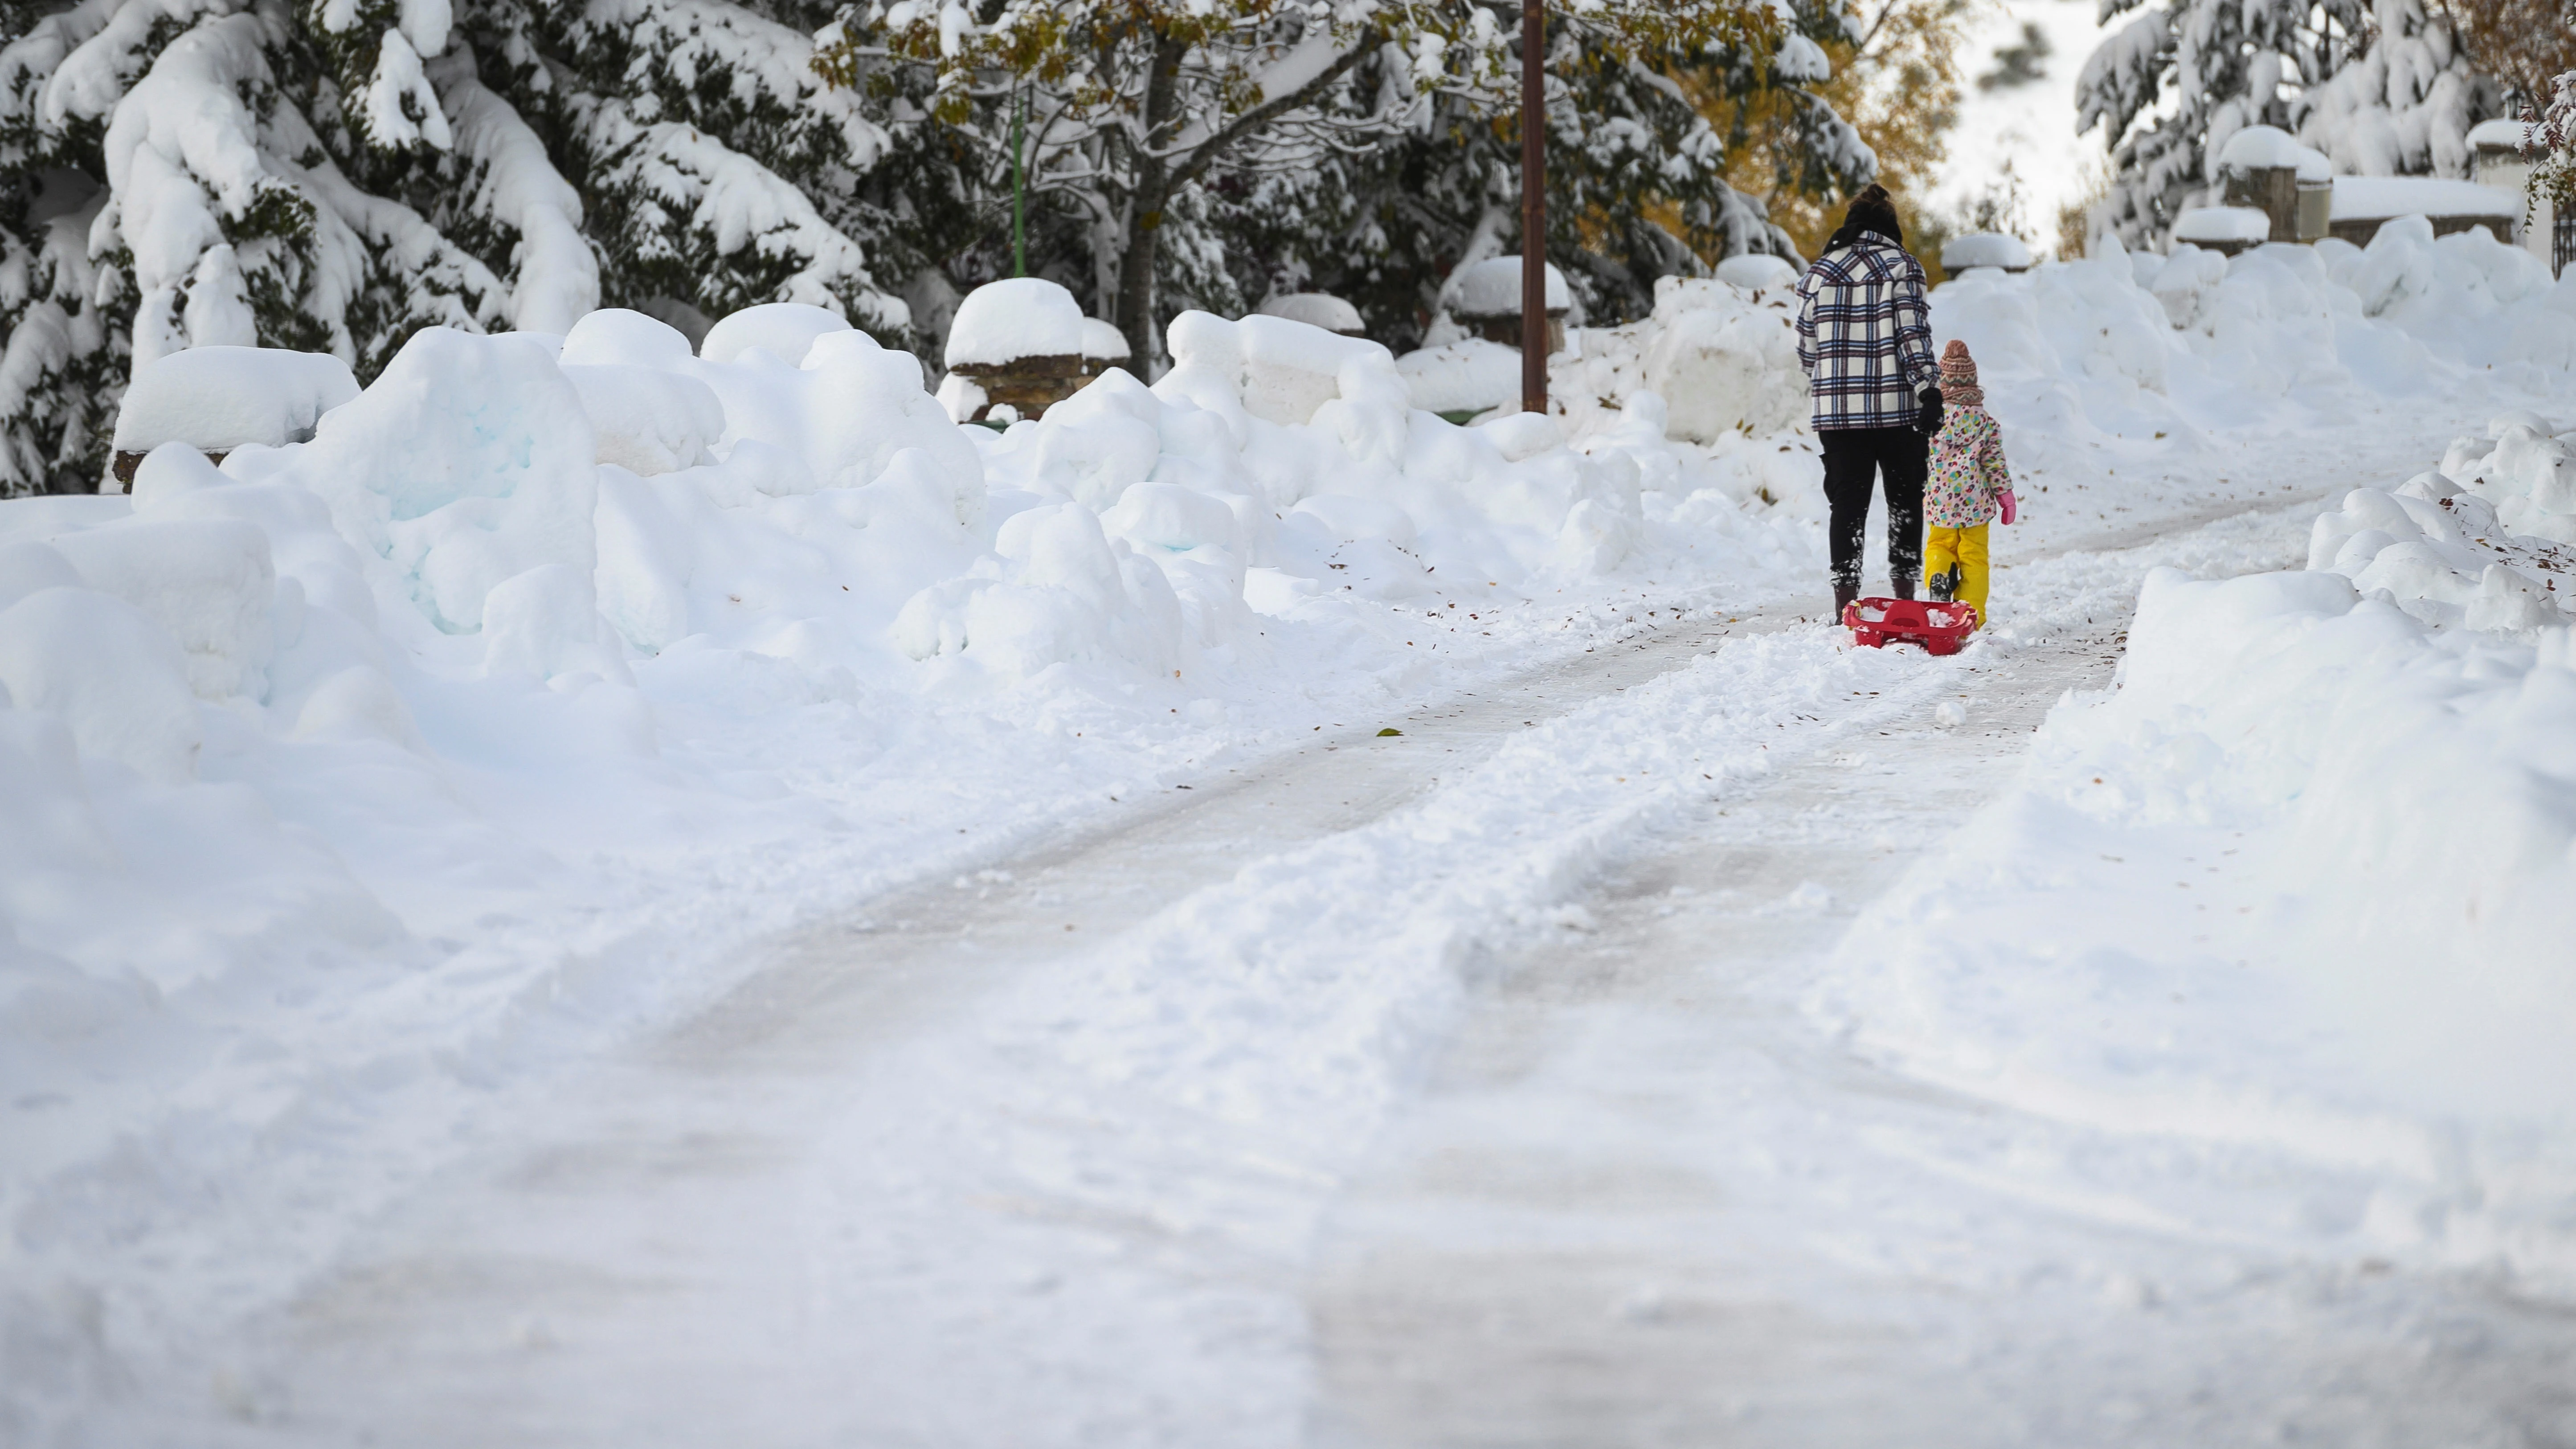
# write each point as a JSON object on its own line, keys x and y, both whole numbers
{"x": 1970, "y": 486}
{"x": 1865, "y": 343}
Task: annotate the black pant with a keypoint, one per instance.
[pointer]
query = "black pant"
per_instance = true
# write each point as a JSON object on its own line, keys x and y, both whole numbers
{"x": 1897, "y": 455}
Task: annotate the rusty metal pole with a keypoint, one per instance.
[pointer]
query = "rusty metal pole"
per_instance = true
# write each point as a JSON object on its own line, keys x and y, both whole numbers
{"x": 1533, "y": 207}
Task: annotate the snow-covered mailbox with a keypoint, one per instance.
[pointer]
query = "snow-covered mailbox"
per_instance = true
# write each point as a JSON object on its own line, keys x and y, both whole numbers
{"x": 1015, "y": 344}
{"x": 1488, "y": 303}
{"x": 1984, "y": 249}
{"x": 2265, "y": 169}
{"x": 2497, "y": 147}
{"x": 216, "y": 399}
{"x": 2362, "y": 203}
{"x": 2226, "y": 230}
{"x": 1322, "y": 309}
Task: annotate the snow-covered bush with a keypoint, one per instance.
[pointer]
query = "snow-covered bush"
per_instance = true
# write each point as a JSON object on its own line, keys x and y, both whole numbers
{"x": 2485, "y": 542}
{"x": 2382, "y": 88}
{"x": 334, "y": 177}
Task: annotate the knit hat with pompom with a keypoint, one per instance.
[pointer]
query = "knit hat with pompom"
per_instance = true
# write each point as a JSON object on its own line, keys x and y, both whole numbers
{"x": 1959, "y": 377}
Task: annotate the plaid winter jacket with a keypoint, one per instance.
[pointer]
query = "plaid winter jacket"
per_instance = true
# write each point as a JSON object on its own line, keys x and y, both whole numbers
{"x": 1864, "y": 336}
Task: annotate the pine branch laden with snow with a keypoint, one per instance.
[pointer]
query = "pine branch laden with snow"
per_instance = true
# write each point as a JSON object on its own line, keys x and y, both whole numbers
{"x": 2381, "y": 88}
{"x": 1137, "y": 103}
{"x": 335, "y": 175}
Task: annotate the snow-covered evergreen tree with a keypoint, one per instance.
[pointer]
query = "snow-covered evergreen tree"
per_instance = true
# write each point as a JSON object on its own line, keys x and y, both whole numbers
{"x": 336, "y": 174}
{"x": 2382, "y": 88}
{"x": 1200, "y": 151}
{"x": 1636, "y": 188}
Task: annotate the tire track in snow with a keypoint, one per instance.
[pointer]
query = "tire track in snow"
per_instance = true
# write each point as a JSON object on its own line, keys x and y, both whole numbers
{"x": 851, "y": 1191}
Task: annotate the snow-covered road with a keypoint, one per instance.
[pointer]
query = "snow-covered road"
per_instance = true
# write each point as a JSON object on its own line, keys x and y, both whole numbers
{"x": 1460, "y": 1086}
{"x": 1644, "y": 1201}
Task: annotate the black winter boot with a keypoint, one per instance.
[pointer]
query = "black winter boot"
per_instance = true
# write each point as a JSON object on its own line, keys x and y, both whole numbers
{"x": 1843, "y": 596}
{"x": 1902, "y": 585}
{"x": 1945, "y": 584}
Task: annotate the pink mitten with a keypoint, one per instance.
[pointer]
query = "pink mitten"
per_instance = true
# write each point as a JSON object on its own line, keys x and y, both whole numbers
{"x": 2004, "y": 500}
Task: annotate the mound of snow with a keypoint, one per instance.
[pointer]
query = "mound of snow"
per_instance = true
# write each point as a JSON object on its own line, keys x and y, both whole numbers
{"x": 1471, "y": 375}
{"x": 1719, "y": 358}
{"x": 1317, "y": 309}
{"x": 109, "y": 673}
{"x": 2261, "y": 148}
{"x": 2362, "y": 198}
{"x": 2500, "y": 132}
{"x": 1492, "y": 288}
{"x": 1002, "y": 322}
{"x": 1758, "y": 272}
{"x": 2143, "y": 344}
{"x": 469, "y": 461}
{"x": 219, "y": 398}
{"x": 2487, "y": 543}
{"x": 614, "y": 335}
{"x": 2222, "y": 224}
{"x": 784, "y": 330}
{"x": 1102, "y": 341}
{"x": 1984, "y": 249}
{"x": 1286, "y": 372}
{"x": 2310, "y": 874}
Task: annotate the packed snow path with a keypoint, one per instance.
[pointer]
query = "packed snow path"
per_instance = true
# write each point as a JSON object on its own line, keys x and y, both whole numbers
{"x": 1644, "y": 1201}
{"x": 1078, "y": 1152}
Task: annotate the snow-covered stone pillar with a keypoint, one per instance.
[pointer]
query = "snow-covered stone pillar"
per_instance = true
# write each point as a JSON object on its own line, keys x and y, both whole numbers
{"x": 1015, "y": 349}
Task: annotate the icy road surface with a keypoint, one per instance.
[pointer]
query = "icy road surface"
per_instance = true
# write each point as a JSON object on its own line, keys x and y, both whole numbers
{"x": 1449, "y": 1088}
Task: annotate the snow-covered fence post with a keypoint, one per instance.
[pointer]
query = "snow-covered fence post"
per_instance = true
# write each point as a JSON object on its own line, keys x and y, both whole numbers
{"x": 2265, "y": 168}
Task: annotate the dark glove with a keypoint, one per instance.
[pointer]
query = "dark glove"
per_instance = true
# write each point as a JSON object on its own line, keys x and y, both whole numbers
{"x": 1930, "y": 397}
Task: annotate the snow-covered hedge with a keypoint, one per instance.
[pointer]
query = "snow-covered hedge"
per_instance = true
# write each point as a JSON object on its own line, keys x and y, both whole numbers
{"x": 335, "y": 176}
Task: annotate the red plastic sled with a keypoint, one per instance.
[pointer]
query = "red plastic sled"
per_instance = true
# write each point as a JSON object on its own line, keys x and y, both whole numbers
{"x": 1939, "y": 628}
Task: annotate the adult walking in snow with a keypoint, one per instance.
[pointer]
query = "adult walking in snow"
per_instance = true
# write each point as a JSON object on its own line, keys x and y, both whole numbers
{"x": 1865, "y": 341}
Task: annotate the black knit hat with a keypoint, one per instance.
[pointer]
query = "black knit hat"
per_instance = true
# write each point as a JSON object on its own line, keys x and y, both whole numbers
{"x": 1872, "y": 210}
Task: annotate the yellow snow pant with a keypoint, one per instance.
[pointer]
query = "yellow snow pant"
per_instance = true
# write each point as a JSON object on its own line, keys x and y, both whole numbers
{"x": 1965, "y": 547}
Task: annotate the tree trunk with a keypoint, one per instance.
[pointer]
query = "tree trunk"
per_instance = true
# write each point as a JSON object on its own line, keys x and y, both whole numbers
{"x": 1153, "y": 192}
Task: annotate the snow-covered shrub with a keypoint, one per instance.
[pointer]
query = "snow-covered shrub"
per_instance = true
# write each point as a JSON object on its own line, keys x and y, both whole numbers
{"x": 2486, "y": 542}
{"x": 334, "y": 177}
{"x": 2382, "y": 88}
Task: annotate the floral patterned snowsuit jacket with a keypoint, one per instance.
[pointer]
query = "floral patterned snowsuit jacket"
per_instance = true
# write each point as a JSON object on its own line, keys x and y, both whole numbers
{"x": 1967, "y": 470}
